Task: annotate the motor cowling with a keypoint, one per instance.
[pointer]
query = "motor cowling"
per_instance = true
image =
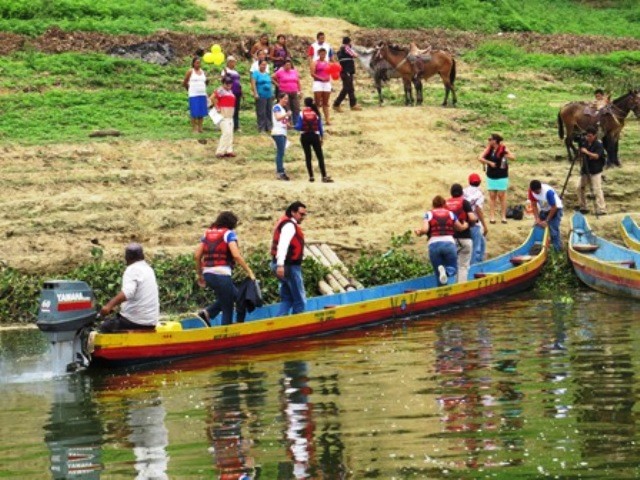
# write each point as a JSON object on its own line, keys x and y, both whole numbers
{"x": 66, "y": 306}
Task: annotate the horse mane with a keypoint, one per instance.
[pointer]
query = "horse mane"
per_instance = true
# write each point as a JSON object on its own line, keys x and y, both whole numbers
{"x": 397, "y": 48}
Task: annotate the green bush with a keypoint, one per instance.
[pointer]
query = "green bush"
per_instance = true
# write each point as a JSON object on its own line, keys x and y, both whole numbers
{"x": 394, "y": 265}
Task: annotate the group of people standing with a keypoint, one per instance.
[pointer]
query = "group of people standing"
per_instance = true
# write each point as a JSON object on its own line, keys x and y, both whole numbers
{"x": 283, "y": 86}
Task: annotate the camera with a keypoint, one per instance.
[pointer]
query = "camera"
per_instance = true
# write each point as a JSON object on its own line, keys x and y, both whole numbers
{"x": 580, "y": 139}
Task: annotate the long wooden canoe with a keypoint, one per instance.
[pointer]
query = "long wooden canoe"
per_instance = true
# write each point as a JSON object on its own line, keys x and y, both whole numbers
{"x": 630, "y": 233}
{"x": 503, "y": 276}
{"x": 600, "y": 264}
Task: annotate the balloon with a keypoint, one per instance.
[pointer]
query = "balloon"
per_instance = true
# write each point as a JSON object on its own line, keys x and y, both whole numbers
{"x": 208, "y": 57}
{"x": 334, "y": 70}
{"x": 215, "y": 48}
{"x": 218, "y": 58}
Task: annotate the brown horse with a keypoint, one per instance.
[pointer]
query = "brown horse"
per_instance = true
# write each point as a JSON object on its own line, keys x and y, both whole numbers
{"x": 574, "y": 118}
{"x": 438, "y": 61}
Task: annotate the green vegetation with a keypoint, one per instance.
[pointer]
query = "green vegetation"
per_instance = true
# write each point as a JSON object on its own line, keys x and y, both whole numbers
{"x": 79, "y": 93}
{"x": 394, "y": 265}
{"x": 33, "y": 17}
{"x": 179, "y": 292}
{"x": 561, "y": 16}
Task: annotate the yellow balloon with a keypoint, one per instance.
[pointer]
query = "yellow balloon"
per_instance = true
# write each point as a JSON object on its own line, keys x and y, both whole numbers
{"x": 218, "y": 58}
{"x": 208, "y": 57}
{"x": 215, "y": 48}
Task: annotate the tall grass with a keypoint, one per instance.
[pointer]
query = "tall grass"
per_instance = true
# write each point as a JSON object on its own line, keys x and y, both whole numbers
{"x": 32, "y": 17}
{"x": 622, "y": 18}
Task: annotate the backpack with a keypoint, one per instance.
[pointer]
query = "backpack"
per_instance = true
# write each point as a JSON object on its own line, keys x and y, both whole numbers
{"x": 516, "y": 212}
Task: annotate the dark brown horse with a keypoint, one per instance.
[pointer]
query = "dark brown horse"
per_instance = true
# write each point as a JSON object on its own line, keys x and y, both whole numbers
{"x": 437, "y": 61}
{"x": 575, "y": 117}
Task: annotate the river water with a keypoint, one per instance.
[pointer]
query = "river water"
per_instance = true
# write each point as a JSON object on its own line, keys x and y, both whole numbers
{"x": 527, "y": 388}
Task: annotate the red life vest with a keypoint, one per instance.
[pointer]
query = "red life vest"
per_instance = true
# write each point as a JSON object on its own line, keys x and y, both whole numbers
{"x": 310, "y": 121}
{"x": 295, "y": 252}
{"x": 455, "y": 205}
{"x": 216, "y": 250}
{"x": 441, "y": 223}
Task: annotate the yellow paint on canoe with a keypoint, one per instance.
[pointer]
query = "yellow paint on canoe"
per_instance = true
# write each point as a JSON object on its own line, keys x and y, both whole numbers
{"x": 169, "y": 336}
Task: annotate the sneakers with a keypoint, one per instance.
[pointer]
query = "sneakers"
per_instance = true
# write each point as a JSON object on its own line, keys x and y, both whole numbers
{"x": 230, "y": 154}
{"x": 442, "y": 275}
{"x": 282, "y": 176}
{"x": 356, "y": 108}
{"x": 204, "y": 315}
{"x": 327, "y": 180}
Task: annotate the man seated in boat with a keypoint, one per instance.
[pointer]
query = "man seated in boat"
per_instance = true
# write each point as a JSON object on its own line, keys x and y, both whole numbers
{"x": 139, "y": 296}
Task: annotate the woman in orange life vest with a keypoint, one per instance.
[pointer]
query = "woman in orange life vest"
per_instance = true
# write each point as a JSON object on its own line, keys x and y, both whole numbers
{"x": 440, "y": 224}
{"x": 215, "y": 258}
{"x": 310, "y": 124}
{"x": 495, "y": 158}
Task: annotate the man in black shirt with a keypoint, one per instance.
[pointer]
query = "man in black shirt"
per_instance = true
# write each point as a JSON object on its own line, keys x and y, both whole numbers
{"x": 347, "y": 57}
{"x": 593, "y": 161}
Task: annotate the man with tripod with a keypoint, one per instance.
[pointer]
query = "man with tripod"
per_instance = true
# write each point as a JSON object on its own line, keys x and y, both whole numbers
{"x": 593, "y": 161}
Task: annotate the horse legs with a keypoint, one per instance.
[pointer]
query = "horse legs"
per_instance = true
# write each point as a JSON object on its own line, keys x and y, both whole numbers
{"x": 611, "y": 146}
{"x": 418, "y": 84}
{"x": 408, "y": 94}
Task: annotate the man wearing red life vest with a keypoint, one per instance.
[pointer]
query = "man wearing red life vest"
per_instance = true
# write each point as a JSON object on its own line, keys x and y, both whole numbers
{"x": 287, "y": 252}
{"x": 463, "y": 210}
{"x": 440, "y": 224}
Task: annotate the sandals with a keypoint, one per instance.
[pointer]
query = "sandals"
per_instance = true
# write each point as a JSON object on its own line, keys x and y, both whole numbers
{"x": 327, "y": 180}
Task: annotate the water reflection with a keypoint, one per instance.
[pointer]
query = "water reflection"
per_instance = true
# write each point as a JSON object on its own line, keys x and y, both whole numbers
{"x": 235, "y": 400}
{"x": 73, "y": 433}
{"x": 521, "y": 390}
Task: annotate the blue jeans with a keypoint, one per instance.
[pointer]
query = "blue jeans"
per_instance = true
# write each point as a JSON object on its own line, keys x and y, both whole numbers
{"x": 444, "y": 253}
{"x": 554, "y": 228}
{"x": 281, "y": 143}
{"x": 479, "y": 244}
{"x": 226, "y": 293}
{"x": 292, "y": 294}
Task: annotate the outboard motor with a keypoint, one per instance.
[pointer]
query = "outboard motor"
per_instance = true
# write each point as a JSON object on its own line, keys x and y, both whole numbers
{"x": 67, "y": 308}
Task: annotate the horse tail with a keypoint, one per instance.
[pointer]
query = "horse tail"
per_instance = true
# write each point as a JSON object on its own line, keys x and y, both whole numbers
{"x": 560, "y": 127}
{"x": 452, "y": 72}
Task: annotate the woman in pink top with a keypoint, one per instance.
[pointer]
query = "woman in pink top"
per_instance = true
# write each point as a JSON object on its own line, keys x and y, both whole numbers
{"x": 287, "y": 81}
{"x": 321, "y": 83}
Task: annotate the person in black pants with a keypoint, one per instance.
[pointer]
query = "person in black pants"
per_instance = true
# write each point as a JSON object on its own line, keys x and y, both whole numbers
{"x": 309, "y": 123}
{"x": 347, "y": 57}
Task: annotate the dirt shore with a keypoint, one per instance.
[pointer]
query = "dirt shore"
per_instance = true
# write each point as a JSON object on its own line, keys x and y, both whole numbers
{"x": 60, "y": 201}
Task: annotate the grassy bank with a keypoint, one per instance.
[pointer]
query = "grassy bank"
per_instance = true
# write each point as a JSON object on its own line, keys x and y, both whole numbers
{"x": 33, "y": 17}
{"x": 620, "y": 18}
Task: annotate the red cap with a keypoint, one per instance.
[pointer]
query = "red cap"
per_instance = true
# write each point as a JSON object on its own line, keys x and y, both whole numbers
{"x": 474, "y": 178}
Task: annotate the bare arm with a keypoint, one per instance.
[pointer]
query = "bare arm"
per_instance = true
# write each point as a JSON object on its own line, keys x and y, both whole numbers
{"x": 424, "y": 230}
{"x": 185, "y": 82}
{"x": 113, "y": 303}
{"x": 235, "y": 253}
{"x": 198, "y": 261}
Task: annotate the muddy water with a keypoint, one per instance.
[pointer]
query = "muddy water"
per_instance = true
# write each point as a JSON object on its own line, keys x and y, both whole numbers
{"x": 523, "y": 389}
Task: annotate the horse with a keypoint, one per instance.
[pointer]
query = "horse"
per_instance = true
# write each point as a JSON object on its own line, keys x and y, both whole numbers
{"x": 573, "y": 118}
{"x": 380, "y": 70}
{"x": 438, "y": 61}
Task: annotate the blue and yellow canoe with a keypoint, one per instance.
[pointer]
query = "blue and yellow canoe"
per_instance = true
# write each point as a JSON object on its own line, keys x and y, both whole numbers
{"x": 500, "y": 277}
{"x": 603, "y": 265}
{"x": 630, "y": 233}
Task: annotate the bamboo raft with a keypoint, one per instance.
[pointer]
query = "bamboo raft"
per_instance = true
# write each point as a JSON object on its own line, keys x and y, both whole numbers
{"x": 338, "y": 280}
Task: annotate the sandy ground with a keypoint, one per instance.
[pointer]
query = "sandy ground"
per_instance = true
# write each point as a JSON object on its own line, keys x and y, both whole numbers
{"x": 58, "y": 202}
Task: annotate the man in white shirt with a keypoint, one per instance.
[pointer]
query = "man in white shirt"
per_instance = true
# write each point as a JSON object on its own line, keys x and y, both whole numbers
{"x": 474, "y": 195}
{"x": 139, "y": 296}
{"x": 287, "y": 252}
{"x": 314, "y": 48}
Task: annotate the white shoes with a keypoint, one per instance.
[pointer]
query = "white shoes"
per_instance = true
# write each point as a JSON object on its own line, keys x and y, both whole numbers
{"x": 442, "y": 275}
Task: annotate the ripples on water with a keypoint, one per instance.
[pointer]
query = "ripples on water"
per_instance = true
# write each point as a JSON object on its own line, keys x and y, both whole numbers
{"x": 523, "y": 389}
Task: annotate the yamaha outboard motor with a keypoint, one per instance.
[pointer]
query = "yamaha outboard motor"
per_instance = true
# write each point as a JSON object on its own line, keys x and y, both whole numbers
{"x": 67, "y": 309}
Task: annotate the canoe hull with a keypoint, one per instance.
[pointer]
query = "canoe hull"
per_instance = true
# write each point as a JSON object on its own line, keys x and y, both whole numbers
{"x": 143, "y": 347}
{"x": 610, "y": 269}
{"x": 630, "y": 233}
